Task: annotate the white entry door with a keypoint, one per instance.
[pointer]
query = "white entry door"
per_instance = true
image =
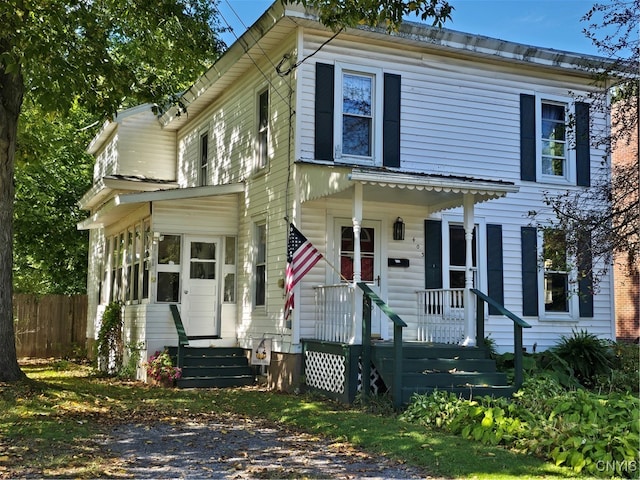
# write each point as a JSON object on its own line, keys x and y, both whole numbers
{"x": 370, "y": 262}
{"x": 200, "y": 299}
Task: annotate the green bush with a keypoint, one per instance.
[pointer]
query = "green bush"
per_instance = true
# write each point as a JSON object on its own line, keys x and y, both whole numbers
{"x": 585, "y": 355}
{"x": 624, "y": 376}
{"x": 587, "y": 432}
{"x": 109, "y": 342}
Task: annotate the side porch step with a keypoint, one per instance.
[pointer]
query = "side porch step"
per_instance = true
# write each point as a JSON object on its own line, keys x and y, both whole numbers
{"x": 465, "y": 371}
{"x": 214, "y": 367}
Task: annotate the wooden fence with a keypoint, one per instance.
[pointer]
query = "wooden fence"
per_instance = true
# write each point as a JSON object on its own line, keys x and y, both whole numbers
{"x": 50, "y": 326}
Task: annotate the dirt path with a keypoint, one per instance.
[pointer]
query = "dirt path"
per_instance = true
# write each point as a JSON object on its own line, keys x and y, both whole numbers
{"x": 233, "y": 448}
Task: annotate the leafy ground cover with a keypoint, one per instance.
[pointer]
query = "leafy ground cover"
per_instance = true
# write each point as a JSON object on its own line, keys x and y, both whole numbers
{"x": 47, "y": 425}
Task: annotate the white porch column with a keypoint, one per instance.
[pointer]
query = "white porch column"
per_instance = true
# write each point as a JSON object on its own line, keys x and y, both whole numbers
{"x": 469, "y": 321}
{"x": 357, "y": 261}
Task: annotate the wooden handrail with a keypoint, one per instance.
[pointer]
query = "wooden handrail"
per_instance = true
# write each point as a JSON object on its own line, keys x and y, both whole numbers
{"x": 518, "y": 325}
{"x": 398, "y": 324}
{"x": 183, "y": 340}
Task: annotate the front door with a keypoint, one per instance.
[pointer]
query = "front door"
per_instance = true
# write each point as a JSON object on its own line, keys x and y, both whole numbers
{"x": 200, "y": 303}
{"x": 370, "y": 261}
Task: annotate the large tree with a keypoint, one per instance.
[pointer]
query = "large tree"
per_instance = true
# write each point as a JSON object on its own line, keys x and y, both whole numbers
{"x": 52, "y": 171}
{"x": 106, "y": 54}
{"x": 102, "y": 55}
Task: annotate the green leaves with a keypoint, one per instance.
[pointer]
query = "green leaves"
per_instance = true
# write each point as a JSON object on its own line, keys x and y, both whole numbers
{"x": 578, "y": 429}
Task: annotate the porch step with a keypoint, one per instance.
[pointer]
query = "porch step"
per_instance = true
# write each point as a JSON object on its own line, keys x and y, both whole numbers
{"x": 214, "y": 367}
{"x": 465, "y": 371}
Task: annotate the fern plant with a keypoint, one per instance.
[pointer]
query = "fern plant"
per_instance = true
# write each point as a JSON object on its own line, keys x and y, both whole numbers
{"x": 586, "y": 355}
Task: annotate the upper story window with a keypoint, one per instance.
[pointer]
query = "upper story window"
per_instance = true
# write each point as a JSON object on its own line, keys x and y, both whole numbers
{"x": 555, "y": 143}
{"x": 263, "y": 129}
{"x": 203, "y": 169}
{"x": 553, "y": 140}
{"x": 359, "y": 105}
{"x": 357, "y": 115}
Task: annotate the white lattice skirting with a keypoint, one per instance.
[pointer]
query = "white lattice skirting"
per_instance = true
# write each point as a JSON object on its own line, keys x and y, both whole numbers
{"x": 325, "y": 371}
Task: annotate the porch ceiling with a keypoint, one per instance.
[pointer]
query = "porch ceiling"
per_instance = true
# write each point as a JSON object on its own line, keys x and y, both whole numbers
{"x": 433, "y": 192}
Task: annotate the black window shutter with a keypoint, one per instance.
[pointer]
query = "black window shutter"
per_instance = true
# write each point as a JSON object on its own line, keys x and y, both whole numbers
{"x": 433, "y": 253}
{"x": 529, "y": 240}
{"x": 391, "y": 121}
{"x": 583, "y": 149}
{"x": 324, "y": 112}
{"x": 495, "y": 276}
{"x": 585, "y": 280}
{"x": 527, "y": 137}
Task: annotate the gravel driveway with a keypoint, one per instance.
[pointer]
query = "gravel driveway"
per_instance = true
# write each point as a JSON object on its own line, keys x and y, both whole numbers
{"x": 239, "y": 448}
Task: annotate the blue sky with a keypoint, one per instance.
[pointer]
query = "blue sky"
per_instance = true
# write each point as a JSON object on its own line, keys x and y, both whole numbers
{"x": 542, "y": 23}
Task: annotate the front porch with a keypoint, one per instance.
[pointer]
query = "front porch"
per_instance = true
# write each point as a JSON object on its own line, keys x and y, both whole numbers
{"x": 439, "y": 315}
{"x": 343, "y": 359}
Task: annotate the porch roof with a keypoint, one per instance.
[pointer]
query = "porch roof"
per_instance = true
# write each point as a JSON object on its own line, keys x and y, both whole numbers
{"x": 431, "y": 191}
{"x": 121, "y": 205}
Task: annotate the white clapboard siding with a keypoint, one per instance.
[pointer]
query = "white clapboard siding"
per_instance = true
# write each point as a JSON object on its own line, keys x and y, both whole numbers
{"x": 202, "y": 216}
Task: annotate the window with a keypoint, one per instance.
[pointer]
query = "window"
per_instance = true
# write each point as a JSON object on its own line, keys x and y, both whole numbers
{"x": 367, "y": 253}
{"x": 556, "y": 272}
{"x": 168, "y": 284}
{"x": 458, "y": 256}
{"x": 357, "y": 114}
{"x": 203, "y": 170}
{"x": 553, "y": 142}
{"x": 359, "y": 103}
{"x": 260, "y": 273}
{"x": 229, "y": 270}
{"x": 263, "y": 129}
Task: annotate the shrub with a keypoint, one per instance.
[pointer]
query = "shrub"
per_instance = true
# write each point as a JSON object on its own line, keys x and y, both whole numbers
{"x": 623, "y": 377}
{"x": 579, "y": 429}
{"x": 585, "y": 355}
{"x": 110, "y": 339}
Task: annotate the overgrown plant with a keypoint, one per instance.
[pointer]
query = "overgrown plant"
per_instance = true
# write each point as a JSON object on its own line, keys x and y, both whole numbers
{"x": 587, "y": 432}
{"x": 110, "y": 347}
{"x": 586, "y": 355}
{"x": 129, "y": 369}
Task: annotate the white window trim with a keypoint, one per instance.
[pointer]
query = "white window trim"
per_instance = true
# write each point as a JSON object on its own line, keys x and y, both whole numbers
{"x": 378, "y": 102}
{"x": 574, "y": 308}
{"x": 257, "y": 222}
{"x": 481, "y": 245}
{"x": 166, "y": 267}
{"x": 569, "y": 178}
{"x": 258, "y": 167}
{"x": 200, "y": 181}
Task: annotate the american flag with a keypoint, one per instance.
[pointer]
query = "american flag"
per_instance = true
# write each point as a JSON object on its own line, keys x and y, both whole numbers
{"x": 301, "y": 257}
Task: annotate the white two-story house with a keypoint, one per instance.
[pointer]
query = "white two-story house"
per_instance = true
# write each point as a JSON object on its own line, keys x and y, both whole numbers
{"x": 409, "y": 160}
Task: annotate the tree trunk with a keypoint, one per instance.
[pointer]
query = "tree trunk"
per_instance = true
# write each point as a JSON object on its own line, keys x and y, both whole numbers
{"x": 11, "y": 93}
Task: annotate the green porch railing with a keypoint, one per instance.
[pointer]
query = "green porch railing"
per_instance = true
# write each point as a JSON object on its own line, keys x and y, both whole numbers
{"x": 518, "y": 325}
{"x": 398, "y": 324}
{"x": 183, "y": 340}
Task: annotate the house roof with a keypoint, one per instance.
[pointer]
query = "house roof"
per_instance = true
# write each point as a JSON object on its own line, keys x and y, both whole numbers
{"x": 280, "y": 20}
{"x": 434, "y": 192}
{"x": 120, "y": 205}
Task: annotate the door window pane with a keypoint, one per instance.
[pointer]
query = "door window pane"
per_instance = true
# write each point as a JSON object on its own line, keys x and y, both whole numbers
{"x": 168, "y": 286}
{"x": 367, "y": 247}
{"x": 260, "y": 280}
{"x": 169, "y": 250}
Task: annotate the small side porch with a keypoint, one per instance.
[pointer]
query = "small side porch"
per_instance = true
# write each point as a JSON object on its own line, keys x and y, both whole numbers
{"x": 343, "y": 359}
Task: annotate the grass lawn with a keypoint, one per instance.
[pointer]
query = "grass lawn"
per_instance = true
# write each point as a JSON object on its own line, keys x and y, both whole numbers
{"x": 47, "y": 423}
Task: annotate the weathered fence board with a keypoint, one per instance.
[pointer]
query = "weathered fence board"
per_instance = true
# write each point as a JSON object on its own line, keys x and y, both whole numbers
{"x": 50, "y": 325}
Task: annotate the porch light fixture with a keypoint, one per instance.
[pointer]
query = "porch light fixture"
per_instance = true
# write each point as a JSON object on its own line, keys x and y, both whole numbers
{"x": 398, "y": 229}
